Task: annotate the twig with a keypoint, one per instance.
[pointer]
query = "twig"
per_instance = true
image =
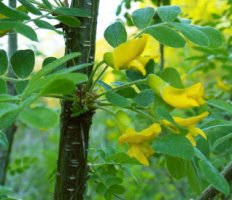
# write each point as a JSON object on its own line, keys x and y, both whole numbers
{"x": 210, "y": 192}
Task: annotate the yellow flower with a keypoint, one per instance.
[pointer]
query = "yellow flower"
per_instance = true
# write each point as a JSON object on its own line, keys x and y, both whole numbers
{"x": 138, "y": 141}
{"x": 190, "y": 125}
{"x": 222, "y": 85}
{"x": 133, "y": 54}
{"x": 177, "y": 97}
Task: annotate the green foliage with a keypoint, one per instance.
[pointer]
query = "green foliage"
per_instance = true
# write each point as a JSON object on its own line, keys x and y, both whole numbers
{"x": 43, "y": 24}
{"x": 143, "y": 17}
{"x": 3, "y": 86}
{"x": 211, "y": 174}
{"x": 115, "y": 34}
{"x": 4, "y": 61}
{"x": 23, "y": 62}
{"x": 175, "y": 166}
{"x": 215, "y": 37}
{"x": 110, "y": 165}
{"x": 8, "y": 114}
{"x": 37, "y": 117}
{"x": 69, "y": 20}
{"x": 145, "y": 97}
{"x": 13, "y": 13}
{"x": 76, "y": 12}
{"x": 166, "y": 36}
{"x": 26, "y": 31}
{"x": 221, "y": 104}
{"x": 30, "y": 7}
{"x": 171, "y": 76}
{"x": 7, "y": 24}
{"x": 192, "y": 33}
{"x": 168, "y": 13}
{"x": 117, "y": 99}
{"x": 3, "y": 141}
{"x": 173, "y": 145}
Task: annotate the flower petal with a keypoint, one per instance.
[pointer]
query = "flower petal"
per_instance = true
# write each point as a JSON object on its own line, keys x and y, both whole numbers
{"x": 141, "y": 152}
{"x": 183, "y": 98}
{"x": 191, "y": 121}
{"x": 132, "y": 137}
{"x": 128, "y": 51}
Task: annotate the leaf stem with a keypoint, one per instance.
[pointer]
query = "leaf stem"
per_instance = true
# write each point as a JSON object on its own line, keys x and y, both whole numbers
{"x": 123, "y": 86}
{"x": 92, "y": 75}
{"x": 99, "y": 76}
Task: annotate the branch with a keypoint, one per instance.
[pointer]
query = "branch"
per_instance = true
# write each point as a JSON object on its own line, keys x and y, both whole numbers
{"x": 210, "y": 192}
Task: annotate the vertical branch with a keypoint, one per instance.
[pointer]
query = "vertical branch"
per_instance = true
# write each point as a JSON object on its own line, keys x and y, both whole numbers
{"x": 72, "y": 167}
{"x": 5, "y": 154}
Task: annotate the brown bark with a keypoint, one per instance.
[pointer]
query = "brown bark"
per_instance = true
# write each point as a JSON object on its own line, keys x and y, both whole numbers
{"x": 72, "y": 170}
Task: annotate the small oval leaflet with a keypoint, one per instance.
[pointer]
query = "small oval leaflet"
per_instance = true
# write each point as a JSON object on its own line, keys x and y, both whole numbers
{"x": 23, "y": 62}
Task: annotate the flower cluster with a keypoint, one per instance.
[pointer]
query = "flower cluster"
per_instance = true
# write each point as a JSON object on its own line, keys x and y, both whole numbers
{"x": 135, "y": 54}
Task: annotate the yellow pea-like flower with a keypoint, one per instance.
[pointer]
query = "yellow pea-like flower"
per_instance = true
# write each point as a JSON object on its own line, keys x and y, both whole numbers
{"x": 133, "y": 54}
{"x": 223, "y": 86}
{"x": 190, "y": 124}
{"x": 138, "y": 141}
{"x": 177, "y": 97}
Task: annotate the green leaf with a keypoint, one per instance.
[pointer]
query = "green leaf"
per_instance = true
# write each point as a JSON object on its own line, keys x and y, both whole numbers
{"x": 69, "y": 20}
{"x": 30, "y": 7}
{"x": 166, "y": 36}
{"x": 7, "y": 24}
{"x": 115, "y": 34}
{"x": 128, "y": 92}
{"x": 76, "y": 12}
{"x": 43, "y": 24}
{"x": 143, "y": 17}
{"x": 221, "y": 140}
{"x": 38, "y": 117}
{"x": 12, "y": 13}
{"x": 211, "y": 174}
{"x": 192, "y": 33}
{"x": 7, "y": 107}
{"x": 214, "y": 36}
{"x": 176, "y": 166}
{"x": 8, "y": 98}
{"x": 26, "y": 31}
{"x": 116, "y": 189}
{"x": 164, "y": 114}
{"x": 101, "y": 188}
{"x": 104, "y": 85}
{"x": 117, "y": 99}
{"x": 221, "y": 104}
{"x": 20, "y": 86}
{"x": 3, "y": 87}
{"x": 193, "y": 177}
{"x": 3, "y": 61}
{"x": 48, "y": 60}
{"x": 8, "y": 114}
{"x": 121, "y": 158}
{"x": 47, "y": 4}
{"x": 56, "y": 84}
{"x": 113, "y": 181}
{"x": 173, "y": 145}
{"x": 145, "y": 97}
{"x": 172, "y": 76}
{"x": 3, "y": 141}
{"x": 53, "y": 65}
{"x": 23, "y": 62}
{"x": 168, "y": 13}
